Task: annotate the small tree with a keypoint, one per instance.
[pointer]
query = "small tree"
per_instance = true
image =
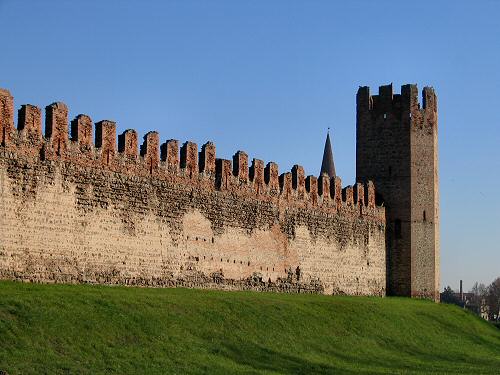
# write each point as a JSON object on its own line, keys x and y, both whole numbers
{"x": 493, "y": 299}
{"x": 479, "y": 295}
{"x": 479, "y": 291}
{"x": 448, "y": 296}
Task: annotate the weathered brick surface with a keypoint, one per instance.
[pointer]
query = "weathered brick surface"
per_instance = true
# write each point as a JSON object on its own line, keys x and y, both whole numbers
{"x": 298, "y": 180}
{"x": 397, "y": 149}
{"x": 30, "y": 123}
{"x": 257, "y": 175}
{"x": 128, "y": 144}
{"x": 92, "y": 214}
{"x": 207, "y": 159}
{"x": 150, "y": 151}
{"x": 170, "y": 154}
{"x": 271, "y": 176}
{"x": 189, "y": 159}
{"x": 81, "y": 131}
{"x": 56, "y": 129}
{"x": 6, "y": 117}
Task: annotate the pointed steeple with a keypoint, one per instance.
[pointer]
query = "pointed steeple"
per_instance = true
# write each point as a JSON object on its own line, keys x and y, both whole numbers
{"x": 328, "y": 166}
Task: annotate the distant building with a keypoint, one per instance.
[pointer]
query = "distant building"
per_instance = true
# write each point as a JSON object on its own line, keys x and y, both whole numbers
{"x": 485, "y": 310}
{"x": 471, "y": 302}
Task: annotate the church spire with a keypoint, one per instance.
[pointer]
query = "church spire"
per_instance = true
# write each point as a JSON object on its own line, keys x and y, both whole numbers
{"x": 328, "y": 166}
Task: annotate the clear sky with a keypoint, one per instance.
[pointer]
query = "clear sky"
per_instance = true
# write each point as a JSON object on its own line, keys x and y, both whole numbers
{"x": 269, "y": 77}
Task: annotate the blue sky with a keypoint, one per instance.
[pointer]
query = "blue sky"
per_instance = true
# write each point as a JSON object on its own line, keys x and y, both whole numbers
{"x": 269, "y": 77}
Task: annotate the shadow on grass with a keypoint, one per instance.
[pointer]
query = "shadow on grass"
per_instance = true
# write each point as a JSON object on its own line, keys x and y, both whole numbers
{"x": 262, "y": 359}
{"x": 344, "y": 361}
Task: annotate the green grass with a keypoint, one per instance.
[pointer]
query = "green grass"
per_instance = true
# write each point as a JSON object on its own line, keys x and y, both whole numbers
{"x": 64, "y": 329}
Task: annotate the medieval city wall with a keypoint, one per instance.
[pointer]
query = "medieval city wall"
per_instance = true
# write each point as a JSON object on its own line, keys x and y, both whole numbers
{"x": 80, "y": 208}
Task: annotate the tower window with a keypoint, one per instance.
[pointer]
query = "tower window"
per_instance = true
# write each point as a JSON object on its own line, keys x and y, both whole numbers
{"x": 397, "y": 228}
{"x": 385, "y": 115}
{"x": 424, "y": 216}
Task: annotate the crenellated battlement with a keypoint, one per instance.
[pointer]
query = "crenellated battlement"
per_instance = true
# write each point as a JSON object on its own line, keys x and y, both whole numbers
{"x": 387, "y": 103}
{"x": 98, "y": 146}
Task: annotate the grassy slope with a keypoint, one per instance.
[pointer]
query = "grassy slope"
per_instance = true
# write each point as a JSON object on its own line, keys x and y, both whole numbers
{"x": 59, "y": 329}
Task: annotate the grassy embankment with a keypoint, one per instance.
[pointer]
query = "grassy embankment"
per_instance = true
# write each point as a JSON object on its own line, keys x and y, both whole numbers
{"x": 63, "y": 329}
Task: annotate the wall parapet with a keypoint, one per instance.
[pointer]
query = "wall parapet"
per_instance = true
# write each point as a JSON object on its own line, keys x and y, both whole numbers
{"x": 73, "y": 143}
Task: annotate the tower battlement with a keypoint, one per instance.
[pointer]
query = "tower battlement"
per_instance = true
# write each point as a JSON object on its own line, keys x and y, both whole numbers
{"x": 386, "y": 102}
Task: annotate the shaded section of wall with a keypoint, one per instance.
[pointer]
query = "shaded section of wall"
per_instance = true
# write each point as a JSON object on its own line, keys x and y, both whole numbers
{"x": 396, "y": 147}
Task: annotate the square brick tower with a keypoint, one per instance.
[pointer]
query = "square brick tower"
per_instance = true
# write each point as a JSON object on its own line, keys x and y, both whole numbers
{"x": 396, "y": 147}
